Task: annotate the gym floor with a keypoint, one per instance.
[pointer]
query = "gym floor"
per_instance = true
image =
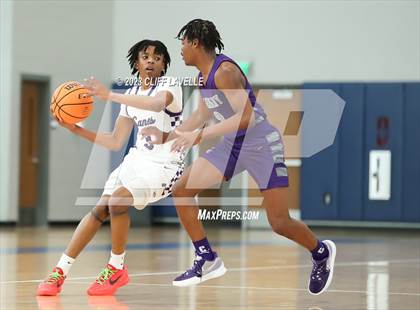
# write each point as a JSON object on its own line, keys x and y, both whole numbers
{"x": 375, "y": 269}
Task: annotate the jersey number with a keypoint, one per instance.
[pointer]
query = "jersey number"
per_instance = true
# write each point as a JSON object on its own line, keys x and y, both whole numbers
{"x": 218, "y": 116}
{"x": 149, "y": 145}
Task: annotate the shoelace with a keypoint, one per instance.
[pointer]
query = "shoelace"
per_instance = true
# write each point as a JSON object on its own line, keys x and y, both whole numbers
{"x": 319, "y": 268}
{"x": 196, "y": 267}
{"x": 105, "y": 274}
{"x": 54, "y": 277}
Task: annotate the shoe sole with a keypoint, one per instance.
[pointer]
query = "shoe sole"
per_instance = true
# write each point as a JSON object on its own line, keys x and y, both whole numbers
{"x": 48, "y": 293}
{"x": 333, "y": 251}
{"x": 194, "y": 281}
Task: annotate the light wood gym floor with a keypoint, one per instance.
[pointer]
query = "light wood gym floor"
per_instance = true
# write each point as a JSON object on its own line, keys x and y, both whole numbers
{"x": 375, "y": 269}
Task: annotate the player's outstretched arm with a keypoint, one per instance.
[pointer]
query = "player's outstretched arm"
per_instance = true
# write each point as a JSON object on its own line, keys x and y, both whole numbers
{"x": 155, "y": 103}
{"x": 196, "y": 120}
{"x": 113, "y": 141}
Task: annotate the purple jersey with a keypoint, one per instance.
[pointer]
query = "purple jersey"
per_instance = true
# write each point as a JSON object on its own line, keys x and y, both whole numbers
{"x": 217, "y": 102}
{"x": 259, "y": 149}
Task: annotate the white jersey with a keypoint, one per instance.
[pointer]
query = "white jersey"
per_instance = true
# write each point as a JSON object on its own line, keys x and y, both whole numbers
{"x": 166, "y": 120}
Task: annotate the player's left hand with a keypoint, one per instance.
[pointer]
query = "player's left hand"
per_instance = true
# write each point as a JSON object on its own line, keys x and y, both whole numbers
{"x": 96, "y": 88}
{"x": 185, "y": 140}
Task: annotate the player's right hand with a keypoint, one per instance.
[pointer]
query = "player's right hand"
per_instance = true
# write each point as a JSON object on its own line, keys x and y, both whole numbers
{"x": 154, "y": 133}
{"x": 70, "y": 127}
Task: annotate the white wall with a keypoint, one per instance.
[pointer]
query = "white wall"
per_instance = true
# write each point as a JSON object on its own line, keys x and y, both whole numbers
{"x": 7, "y": 213}
{"x": 288, "y": 41}
{"x": 64, "y": 40}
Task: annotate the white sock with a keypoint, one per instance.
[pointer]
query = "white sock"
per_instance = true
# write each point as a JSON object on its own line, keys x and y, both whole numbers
{"x": 65, "y": 263}
{"x": 117, "y": 261}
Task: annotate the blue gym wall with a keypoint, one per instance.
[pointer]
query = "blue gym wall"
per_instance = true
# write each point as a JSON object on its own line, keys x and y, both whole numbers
{"x": 341, "y": 170}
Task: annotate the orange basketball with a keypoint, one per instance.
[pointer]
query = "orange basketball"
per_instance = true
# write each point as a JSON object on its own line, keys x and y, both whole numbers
{"x": 70, "y": 102}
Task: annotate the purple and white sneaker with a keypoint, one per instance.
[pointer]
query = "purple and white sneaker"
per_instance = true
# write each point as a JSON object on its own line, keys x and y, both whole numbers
{"x": 322, "y": 271}
{"x": 202, "y": 270}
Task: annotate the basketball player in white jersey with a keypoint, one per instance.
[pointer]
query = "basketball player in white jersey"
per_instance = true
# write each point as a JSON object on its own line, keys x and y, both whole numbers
{"x": 146, "y": 174}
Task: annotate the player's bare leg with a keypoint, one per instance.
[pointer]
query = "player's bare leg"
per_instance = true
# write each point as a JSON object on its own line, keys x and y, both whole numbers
{"x": 115, "y": 274}
{"x": 119, "y": 203}
{"x": 88, "y": 227}
{"x": 207, "y": 265}
{"x": 85, "y": 231}
{"x": 323, "y": 252}
{"x": 275, "y": 203}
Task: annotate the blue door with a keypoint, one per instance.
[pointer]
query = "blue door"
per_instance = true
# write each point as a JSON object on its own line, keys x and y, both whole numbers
{"x": 384, "y": 131}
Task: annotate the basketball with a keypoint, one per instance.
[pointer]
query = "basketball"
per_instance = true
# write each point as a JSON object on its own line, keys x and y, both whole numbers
{"x": 70, "y": 103}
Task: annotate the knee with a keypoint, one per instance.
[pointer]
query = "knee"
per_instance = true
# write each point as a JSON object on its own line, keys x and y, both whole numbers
{"x": 179, "y": 190}
{"x": 115, "y": 209}
{"x": 280, "y": 224}
{"x": 100, "y": 212}
{"x": 118, "y": 206}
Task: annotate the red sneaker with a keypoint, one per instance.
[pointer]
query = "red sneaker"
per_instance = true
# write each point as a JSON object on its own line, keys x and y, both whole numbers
{"x": 52, "y": 284}
{"x": 109, "y": 280}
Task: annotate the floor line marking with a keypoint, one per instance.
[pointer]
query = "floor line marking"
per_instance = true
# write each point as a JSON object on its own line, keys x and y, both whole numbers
{"x": 272, "y": 288}
{"x": 258, "y": 288}
{"x": 344, "y": 264}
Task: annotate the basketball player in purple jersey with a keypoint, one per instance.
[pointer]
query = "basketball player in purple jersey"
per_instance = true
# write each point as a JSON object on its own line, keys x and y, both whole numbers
{"x": 249, "y": 142}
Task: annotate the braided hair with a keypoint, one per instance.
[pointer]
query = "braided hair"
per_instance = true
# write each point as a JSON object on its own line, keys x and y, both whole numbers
{"x": 205, "y": 32}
